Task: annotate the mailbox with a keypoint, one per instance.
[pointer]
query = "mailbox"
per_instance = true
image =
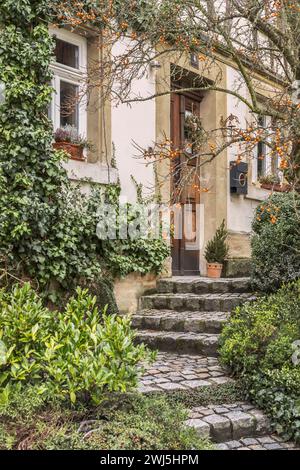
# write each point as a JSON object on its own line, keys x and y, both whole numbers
{"x": 238, "y": 178}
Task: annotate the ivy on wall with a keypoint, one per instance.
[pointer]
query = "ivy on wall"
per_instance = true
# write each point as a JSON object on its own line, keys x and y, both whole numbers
{"x": 48, "y": 228}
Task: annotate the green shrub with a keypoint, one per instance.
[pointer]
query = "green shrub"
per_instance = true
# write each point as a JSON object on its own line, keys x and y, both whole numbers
{"x": 259, "y": 344}
{"x": 125, "y": 422}
{"x": 103, "y": 290}
{"x": 217, "y": 249}
{"x": 69, "y": 354}
{"x": 276, "y": 242}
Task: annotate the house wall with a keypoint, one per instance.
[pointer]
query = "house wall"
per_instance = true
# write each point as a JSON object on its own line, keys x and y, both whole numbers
{"x": 241, "y": 208}
{"x": 147, "y": 122}
{"x": 134, "y": 123}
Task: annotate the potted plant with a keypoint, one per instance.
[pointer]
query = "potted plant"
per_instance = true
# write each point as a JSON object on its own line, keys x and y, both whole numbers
{"x": 272, "y": 183}
{"x": 216, "y": 252}
{"x": 68, "y": 139}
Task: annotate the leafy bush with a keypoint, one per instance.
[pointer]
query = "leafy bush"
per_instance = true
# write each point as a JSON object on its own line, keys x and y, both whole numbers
{"x": 69, "y": 354}
{"x": 131, "y": 422}
{"x": 217, "y": 249}
{"x": 276, "y": 242}
{"x": 259, "y": 344}
{"x": 140, "y": 252}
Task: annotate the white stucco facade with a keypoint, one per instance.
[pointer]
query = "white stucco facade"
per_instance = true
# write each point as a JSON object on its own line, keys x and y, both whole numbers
{"x": 135, "y": 123}
{"x": 240, "y": 208}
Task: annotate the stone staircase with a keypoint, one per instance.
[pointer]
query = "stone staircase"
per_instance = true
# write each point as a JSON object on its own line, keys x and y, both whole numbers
{"x": 183, "y": 321}
{"x": 187, "y": 314}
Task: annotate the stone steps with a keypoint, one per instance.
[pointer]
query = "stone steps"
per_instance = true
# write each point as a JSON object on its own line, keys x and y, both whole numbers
{"x": 183, "y": 321}
{"x": 179, "y": 342}
{"x": 227, "y": 422}
{"x": 200, "y": 285}
{"x": 194, "y": 302}
{"x": 189, "y": 322}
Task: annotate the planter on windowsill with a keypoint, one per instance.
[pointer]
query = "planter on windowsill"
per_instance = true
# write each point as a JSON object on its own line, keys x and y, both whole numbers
{"x": 74, "y": 150}
{"x": 285, "y": 188}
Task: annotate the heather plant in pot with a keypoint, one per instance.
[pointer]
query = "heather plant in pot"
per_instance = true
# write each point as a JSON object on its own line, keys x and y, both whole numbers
{"x": 67, "y": 138}
{"x": 216, "y": 252}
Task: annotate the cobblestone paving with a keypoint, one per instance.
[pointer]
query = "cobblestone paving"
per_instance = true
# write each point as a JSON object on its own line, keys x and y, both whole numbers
{"x": 267, "y": 442}
{"x": 231, "y": 421}
{"x": 229, "y": 424}
{"x": 203, "y": 305}
{"x": 182, "y": 372}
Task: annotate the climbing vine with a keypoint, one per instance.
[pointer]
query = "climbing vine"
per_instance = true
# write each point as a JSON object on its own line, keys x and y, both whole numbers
{"x": 48, "y": 228}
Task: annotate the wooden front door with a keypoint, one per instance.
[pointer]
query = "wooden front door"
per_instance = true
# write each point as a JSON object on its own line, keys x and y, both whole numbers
{"x": 185, "y": 187}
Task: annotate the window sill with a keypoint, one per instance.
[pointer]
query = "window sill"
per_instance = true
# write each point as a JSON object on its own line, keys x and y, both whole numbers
{"x": 256, "y": 193}
{"x": 95, "y": 173}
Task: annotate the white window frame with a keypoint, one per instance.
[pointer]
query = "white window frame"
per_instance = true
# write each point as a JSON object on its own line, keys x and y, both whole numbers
{"x": 71, "y": 75}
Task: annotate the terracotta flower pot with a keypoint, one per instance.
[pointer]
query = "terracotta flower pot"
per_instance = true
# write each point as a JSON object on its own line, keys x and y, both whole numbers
{"x": 75, "y": 151}
{"x": 214, "y": 270}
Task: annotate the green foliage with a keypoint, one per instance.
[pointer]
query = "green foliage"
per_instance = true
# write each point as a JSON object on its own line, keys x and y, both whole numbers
{"x": 134, "y": 422}
{"x": 48, "y": 227}
{"x": 103, "y": 290}
{"x": 216, "y": 249}
{"x": 276, "y": 242}
{"x": 259, "y": 344}
{"x": 230, "y": 392}
{"x": 69, "y": 354}
{"x": 143, "y": 253}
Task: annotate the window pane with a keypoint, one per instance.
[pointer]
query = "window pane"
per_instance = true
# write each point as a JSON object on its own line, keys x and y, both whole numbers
{"x": 69, "y": 104}
{"x": 261, "y": 159}
{"x": 261, "y": 151}
{"x": 66, "y": 53}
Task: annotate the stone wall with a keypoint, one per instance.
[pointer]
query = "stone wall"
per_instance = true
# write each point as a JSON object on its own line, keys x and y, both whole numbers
{"x": 129, "y": 290}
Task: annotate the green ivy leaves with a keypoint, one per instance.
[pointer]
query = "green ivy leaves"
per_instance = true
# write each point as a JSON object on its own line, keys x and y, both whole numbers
{"x": 48, "y": 227}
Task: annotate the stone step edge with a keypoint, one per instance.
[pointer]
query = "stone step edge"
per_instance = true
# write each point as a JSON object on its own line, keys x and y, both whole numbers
{"x": 204, "y": 285}
{"x": 154, "y": 312}
{"x": 232, "y": 425}
{"x": 181, "y": 334}
{"x": 193, "y": 343}
{"x": 192, "y": 322}
{"x": 193, "y": 302}
{"x": 191, "y": 295}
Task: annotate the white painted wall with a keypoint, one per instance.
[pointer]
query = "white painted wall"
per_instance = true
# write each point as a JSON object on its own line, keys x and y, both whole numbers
{"x": 240, "y": 208}
{"x": 135, "y": 123}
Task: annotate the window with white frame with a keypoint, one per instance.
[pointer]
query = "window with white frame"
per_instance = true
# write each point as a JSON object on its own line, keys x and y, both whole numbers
{"x": 264, "y": 163}
{"x": 69, "y": 69}
{"x": 261, "y": 151}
